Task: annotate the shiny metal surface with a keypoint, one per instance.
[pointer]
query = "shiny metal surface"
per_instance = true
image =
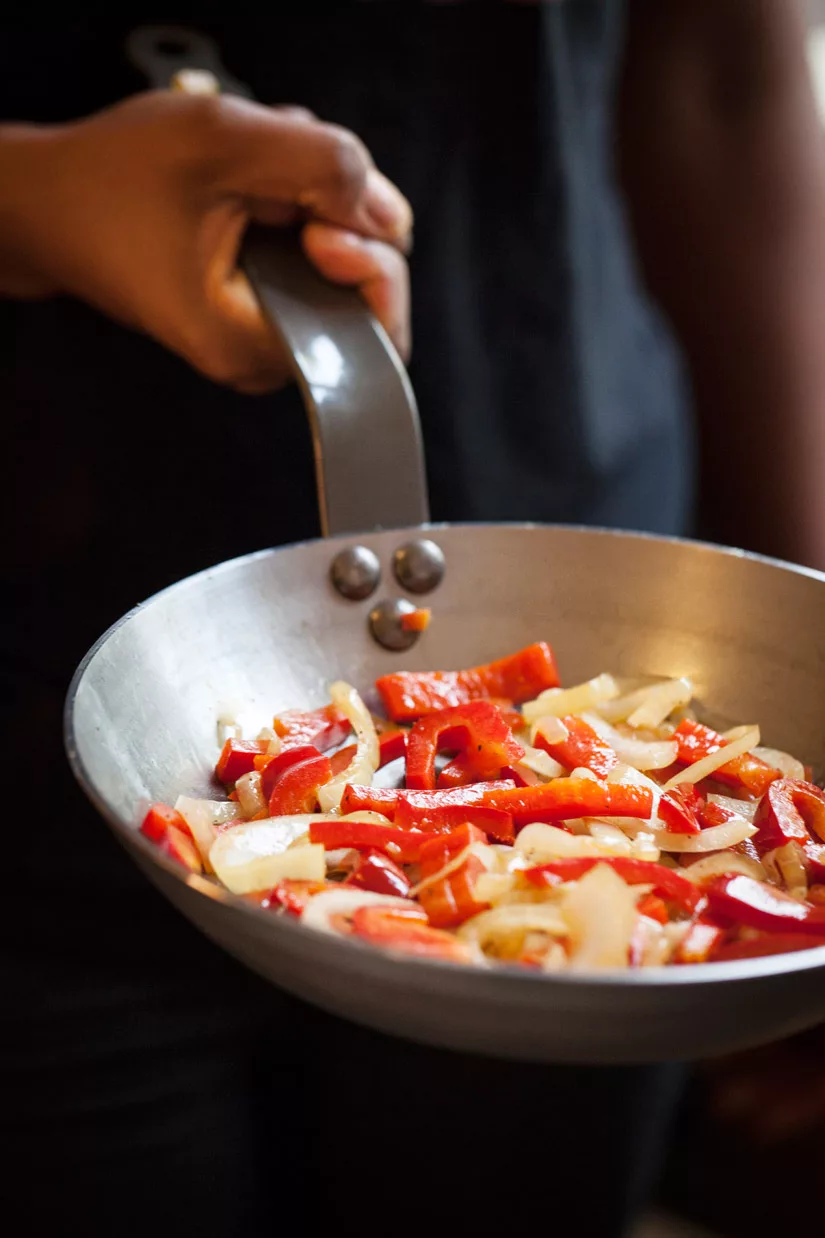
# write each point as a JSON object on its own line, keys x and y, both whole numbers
{"x": 386, "y": 627}
{"x": 141, "y": 727}
{"x": 355, "y": 572}
{"x": 419, "y": 565}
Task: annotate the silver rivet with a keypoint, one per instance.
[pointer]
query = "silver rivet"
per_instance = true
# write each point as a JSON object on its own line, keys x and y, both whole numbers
{"x": 419, "y": 566}
{"x": 385, "y": 624}
{"x": 355, "y": 572}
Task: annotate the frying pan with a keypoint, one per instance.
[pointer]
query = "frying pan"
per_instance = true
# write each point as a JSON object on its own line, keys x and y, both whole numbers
{"x": 270, "y": 630}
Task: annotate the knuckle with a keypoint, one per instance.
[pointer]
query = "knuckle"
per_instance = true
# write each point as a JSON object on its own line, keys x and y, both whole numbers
{"x": 346, "y": 165}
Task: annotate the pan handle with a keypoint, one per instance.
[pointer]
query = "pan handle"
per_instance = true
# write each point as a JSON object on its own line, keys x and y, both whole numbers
{"x": 369, "y": 459}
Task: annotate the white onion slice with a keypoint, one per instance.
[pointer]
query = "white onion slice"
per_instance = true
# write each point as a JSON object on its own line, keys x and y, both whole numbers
{"x": 256, "y": 855}
{"x": 722, "y": 863}
{"x": 746, "y": 739}
{"x": 228, "y": 728}
{"x": 320, "y": 910}
{"x": 203, "y": 818}
{"x": 536, "y": 761}
{"x": 366, "y": 759}
{"x": 787, "y": 765}
{"x": 493, "y": 887}
{"x": 648, "y": 706}
{"x": 250, "y": 796}
{"x": 486, "y": 854}
{"x": 743, "y": 808}
{"x": 787, "y": 865}
{"x": 273, "y": 741}
{"x": 561, "y": 701}
{"x": 511, "y": 922}
{"x": 539, "y": 843}
{"x": 718, "y": 838}
{"x": 642, "y": 754}
{"x": 600, "y": 912}
{"x": 551, "y": 727}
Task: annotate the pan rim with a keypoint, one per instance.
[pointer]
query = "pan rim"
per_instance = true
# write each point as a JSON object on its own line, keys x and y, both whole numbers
{"x": 504, "y": 975}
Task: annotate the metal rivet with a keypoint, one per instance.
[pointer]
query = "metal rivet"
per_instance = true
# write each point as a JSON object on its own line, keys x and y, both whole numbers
{"x": 355, "y": 572}
{"x": 385, "y": 624}
{"x": 419, "y": 566}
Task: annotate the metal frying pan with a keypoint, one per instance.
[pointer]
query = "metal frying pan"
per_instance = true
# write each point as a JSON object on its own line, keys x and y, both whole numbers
{"x": 270, "y": 630}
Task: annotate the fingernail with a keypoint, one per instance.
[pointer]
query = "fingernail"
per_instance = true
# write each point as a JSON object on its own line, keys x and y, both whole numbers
{"x": 387, "y": 207}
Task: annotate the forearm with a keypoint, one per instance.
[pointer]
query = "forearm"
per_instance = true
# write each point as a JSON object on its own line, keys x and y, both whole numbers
{"x": 726, "y": 181}
{"x": 26, "y": 155}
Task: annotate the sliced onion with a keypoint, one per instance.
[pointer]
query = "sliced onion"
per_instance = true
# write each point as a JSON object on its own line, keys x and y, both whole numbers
{"x": 642, "y": 754}
{"x": 746, "y": 739}
{"x": 609, "y": 836}
{"x": 203, "y": 818}
{"x": 561, "y": 701}
{"x": 649, "y": 705}
{"x": 539, "y": 843}
{"x": 650, "y": 942}
{"x": 787, "y": 865}
{"x": 493, "y": 887}
{"x": 228, "y": 728}
{"x": 365, "y": 761}
{"x": 551, "y": 727}
{"x": 250, "y": 796}
{"x": 321, "y": 910}
{"x": 787, "y": 765}
{"x": 490, "y": 862}
{"x": 715, "y": 839}
{"x": 273, "y": 742}
{"x": 536, "y": 761}
{"x": 256, "y": 855}
{"x": 742, "y": 808}
{"x": 506, "y": 926}
{"x": 600, "y": 912}
{"x": 720, "y": 864}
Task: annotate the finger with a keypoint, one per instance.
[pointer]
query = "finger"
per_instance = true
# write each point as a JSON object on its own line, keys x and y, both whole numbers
{"x": 266, "y": 153}
{"x": 378, "y": 271}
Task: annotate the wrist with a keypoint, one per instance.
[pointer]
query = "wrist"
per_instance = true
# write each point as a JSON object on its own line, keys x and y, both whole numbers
{"x": 27, "y": 174}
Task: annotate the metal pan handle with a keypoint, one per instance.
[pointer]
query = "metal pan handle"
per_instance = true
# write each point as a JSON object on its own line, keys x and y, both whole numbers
{"x": 369, "y": 459}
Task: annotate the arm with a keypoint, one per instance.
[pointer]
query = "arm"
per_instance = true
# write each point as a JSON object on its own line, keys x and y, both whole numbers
{"x": 723, "y": 163}
{"x": 140, "y": 210}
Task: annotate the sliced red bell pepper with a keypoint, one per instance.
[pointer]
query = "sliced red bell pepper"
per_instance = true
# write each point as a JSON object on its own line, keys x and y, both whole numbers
{"x": 582, "y": 748}
{"x": 743, "y": 900}
{"x": 358, "y": 798}
{"x": 653, "y": 907}
{"x": 325, "y": 728}
{"x": 696, "y": 741}
{"x": 477, "y": 729}
{"x": 293, "y": 896}
{"x": 679, "y": 808}
{"x": 296, "y": 790}
{"x": 493, "y": 822}
{"x": 451, "y": 900}
{"x": 271, "y": 767}
{"x": 238, "y": 758}
{"x": 768, "y": 943}
{"x": 789, "y": 811}
{"x": 417, "y": 620}
{"x": 459, "y": 772}
{"x": 567, "y": 799}
{"x": 700, "y": 941}
{"x": 409, "y": 695}
{"x": 710, "y": 815}
{"x": 339, "y": 760}
{"x": 666, "y": 882}
{"x": 397, "y": 928}
{"x": 391, "y": 746}
{"x": 377, "y": 872}
{"x": 511, "y": 715}
{"x": 171, "y": 834}
{"x": 402, "y": 845}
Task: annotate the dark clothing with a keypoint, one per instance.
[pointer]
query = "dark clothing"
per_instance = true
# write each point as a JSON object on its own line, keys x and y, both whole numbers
{"x": 157, "y": 1079}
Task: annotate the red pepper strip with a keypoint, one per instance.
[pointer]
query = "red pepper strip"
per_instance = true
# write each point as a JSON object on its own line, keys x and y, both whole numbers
{"x": 451, "y": 901}
{"x": 460, "y": 772}
{"x": 385, "y": 799}
{"x": 666, "y": 882}
{"x": 697, "y": 741}
{"x": 417, "y": 620}
{"x": 710, "y": 815}
{"x": 340, "y": 760}
{"x": 742, "y": 900}
{"x": 699, "y": 942}
{"x": 769, "y": 943}
{"x": 378, "y": 873}
{"x": 272, "y": 767}
{"x": 409, "y": 695}
{"x": 402, "y": 845}
{"x": 511, "y": 715}
{"x": 325, "y": 728}
{"x": 293, "y": 895}
{"x": 789, "y": 811}
{"x": 396, "y": 928}
{"x": 168, "y": 830}
{"x": 478, "y": 729}
{"x": 566, "y": 799}
{"x": 582, "y": 748}
{"x": 296, "y": 791}
{"x": 653, "y": 907}
{"x": 391, "y": 746}
{"x": 493, "y": 822}
{"x": 678, "y": 809}
{"x": 238, "y": 758}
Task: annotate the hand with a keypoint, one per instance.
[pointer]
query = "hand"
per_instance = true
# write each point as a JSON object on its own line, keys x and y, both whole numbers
{"x": 140, "y": 211}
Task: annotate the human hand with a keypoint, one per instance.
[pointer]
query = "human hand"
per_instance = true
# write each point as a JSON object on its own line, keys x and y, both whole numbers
{"x": 140, "y": 211}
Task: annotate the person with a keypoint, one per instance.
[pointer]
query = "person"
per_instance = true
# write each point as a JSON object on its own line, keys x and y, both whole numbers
{"x": 153, "y": 1078}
